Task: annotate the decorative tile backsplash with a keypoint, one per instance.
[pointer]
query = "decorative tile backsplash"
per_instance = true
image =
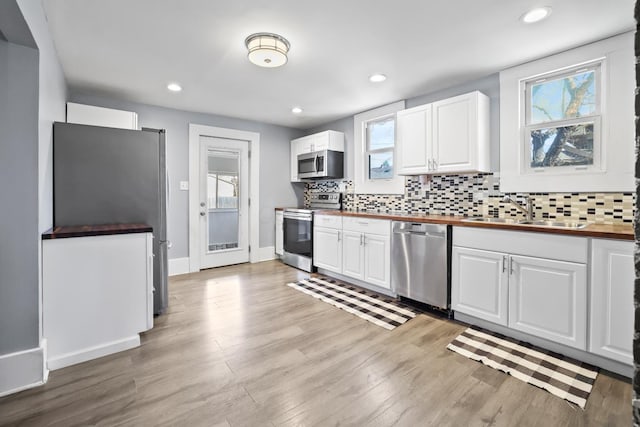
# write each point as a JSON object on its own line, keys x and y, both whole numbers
{"x": 479, "y": 195}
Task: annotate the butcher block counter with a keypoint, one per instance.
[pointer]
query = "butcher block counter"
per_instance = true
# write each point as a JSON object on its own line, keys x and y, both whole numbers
{"x": 604, "y": 231}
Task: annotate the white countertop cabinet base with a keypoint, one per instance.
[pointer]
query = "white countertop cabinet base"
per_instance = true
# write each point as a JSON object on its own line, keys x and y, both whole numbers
{"x": 97, "y": 295}
{"x": 611, "y": 309}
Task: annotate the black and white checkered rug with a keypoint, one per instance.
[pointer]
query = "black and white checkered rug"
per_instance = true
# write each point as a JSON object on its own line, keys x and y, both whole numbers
{"x": 561, "y": 376}
{"x": 382, "y": 311}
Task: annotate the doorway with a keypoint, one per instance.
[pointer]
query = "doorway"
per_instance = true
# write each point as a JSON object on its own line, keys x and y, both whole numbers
{"x": 224, "y": 202}
{"x": 223, "y": 197}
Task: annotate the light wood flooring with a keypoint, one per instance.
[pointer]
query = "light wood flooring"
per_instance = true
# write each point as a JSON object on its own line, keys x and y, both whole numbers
{"x": 237, "y": 347}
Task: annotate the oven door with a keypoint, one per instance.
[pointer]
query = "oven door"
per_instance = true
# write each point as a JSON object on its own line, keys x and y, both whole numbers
{"x": 312, "y": 165}
{"x": 298, "y": 231}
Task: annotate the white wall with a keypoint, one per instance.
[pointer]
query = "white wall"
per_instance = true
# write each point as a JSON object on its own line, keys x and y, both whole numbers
{"x": 275, "y": 188}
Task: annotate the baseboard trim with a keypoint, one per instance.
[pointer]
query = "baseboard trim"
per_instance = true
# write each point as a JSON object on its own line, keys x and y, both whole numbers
{"x": 265, "y": 254}
{"x": 178, "y": 266}
{"x": 91, "y": 353}
{"x": 21, "y": 370}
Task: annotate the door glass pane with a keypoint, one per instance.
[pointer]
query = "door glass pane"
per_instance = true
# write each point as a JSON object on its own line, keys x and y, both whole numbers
{"x": 562, "y": 146}
{"x": 222, "y": 200}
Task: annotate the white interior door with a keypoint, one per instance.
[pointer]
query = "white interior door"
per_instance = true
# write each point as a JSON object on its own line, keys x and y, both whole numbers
{"x": 224, "y": 201}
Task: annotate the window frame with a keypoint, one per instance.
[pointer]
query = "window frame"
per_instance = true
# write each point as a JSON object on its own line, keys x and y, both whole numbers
{"x": 368, "y": 151}
{"x": 362, "y": 183}
{"x": 596, "y": 119}
{"x": 617, "y": 127}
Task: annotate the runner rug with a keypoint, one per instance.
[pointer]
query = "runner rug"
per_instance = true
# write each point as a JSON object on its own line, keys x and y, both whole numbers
{"x": 561, "y": 376}
{"x": 381, "y": 311}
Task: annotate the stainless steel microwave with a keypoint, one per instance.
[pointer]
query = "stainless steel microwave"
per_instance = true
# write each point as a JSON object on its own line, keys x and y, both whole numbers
{"x": 325, "y": 164}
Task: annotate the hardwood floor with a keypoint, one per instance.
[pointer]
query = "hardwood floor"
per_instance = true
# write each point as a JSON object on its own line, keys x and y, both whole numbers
{"x": 239, "y": 348}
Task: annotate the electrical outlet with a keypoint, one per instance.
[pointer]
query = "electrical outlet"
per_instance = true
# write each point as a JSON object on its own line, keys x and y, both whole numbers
{"x": 184, "y": 185}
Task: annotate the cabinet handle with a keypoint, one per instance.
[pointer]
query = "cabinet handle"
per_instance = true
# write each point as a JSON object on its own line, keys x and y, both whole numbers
{"x": 435, "y": 164}
{"x": 338, "y": 236}
{"x": 429, "y": 164}
{"x": 504, "y": 263}
{"x": 510, "y": 265}
{"x": 361, "y": 236}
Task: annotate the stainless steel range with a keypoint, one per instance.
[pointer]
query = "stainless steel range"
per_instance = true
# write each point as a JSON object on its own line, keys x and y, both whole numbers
{"x": 298, "y": 230}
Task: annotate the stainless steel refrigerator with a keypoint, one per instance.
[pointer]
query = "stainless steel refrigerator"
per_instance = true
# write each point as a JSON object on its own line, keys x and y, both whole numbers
{"x": 106, "y": 176}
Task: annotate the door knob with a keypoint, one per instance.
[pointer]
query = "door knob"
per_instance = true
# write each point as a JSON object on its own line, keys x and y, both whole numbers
{"x": 202, "y": 204}
{"x": 202, "y": 214}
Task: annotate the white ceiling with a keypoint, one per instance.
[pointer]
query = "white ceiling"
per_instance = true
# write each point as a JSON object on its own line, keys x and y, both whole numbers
{"x": 131, "y": 49}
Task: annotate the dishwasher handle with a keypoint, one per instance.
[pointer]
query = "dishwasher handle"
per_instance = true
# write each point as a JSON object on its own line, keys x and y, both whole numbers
{"x": 422, "y": 233}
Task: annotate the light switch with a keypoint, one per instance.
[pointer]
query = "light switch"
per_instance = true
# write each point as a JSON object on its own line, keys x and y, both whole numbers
{"x": 184, "y": 185}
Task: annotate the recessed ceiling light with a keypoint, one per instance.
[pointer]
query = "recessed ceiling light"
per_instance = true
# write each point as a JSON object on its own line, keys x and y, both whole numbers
{"x": 536, "y": 15}
{"x": 377, "y": 78}
{"x": 174, "y": 87}
{"x": 296, "y": 110}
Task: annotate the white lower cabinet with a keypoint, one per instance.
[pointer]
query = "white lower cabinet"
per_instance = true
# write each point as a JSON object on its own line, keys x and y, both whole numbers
{"x": 479, "y": 284}
{"x": 611, "y": 309}
{"x": 530, "y": 282}
{"x": 279, "y": 244}
{"x": 355, "y": 247}
{"x": 377, "y": 260}
{"x": 548, "y": 299}
{"x": 366, "y": 252}
{"x": 327, "y": 248}
{"x": 97, "y": 295}
{"x": 352, "y": 255}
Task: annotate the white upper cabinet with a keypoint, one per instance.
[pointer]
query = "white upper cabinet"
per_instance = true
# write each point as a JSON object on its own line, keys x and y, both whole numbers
{"x": 327, "y": 140}
{"x": 97, "y": 116}
{"x": 448, "y": 136}
{"x": 414, "y": 146}
{"x": 461, "y": 133}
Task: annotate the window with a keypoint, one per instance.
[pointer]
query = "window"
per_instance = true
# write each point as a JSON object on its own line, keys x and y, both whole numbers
{"x": 562, "y": 128}
{"x": 380, "y": 143}
{"x": 374, "y": 144}
{"x": 549, "y": 143}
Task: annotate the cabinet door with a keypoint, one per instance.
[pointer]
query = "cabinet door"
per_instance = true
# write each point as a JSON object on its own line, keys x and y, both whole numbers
{"x": 327, "y": 249}
{"x": 279, "y": 233}
{"x": 454, "y": 134}
{"x": 548, "y": 299}
{"x": 295, "y": 147}
{"x": 413, "y": 142}
{"x": 461, "y": 133}
{"x": 377, "y": 260}
{"x": 352, "y": 254}
{"x": 479, "y": 284}
{"x": 612, "y": 277}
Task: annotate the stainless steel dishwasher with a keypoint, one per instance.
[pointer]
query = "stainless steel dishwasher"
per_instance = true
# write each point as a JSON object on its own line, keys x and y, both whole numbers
{"x": 420, "y": 262}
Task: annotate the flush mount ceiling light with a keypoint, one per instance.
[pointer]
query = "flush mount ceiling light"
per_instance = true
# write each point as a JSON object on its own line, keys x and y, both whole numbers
{"x": 267, "y": 49}
{"x": 536, "y": 15}
{"x": 377, "y": 78}
{"x": 296, "y": 110}
{"x": 174, "y": 87}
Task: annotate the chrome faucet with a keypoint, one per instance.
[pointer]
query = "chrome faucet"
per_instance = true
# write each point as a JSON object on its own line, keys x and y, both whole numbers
{"x": 528, "y": 210}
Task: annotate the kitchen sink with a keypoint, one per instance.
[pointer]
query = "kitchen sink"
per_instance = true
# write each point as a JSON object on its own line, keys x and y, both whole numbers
{"x": 556, "y": 224}
{"x": 538, "y": 223}
{"x": 492, "y": 220}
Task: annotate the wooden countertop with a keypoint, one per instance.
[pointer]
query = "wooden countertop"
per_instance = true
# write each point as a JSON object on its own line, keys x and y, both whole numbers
{"x": 63, "y": 232}
{"x": 605, "y": 231}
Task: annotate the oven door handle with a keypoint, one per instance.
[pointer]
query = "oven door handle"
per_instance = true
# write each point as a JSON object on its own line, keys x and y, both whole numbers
{"x": 316, "y": 163}
{"x": 298, "y": 216}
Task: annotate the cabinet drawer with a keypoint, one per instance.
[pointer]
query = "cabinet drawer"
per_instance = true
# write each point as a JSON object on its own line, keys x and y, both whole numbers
{"x": 541, "y": 245}
{"x": 366, "y": 225}
{"x": 328, "y": 221}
